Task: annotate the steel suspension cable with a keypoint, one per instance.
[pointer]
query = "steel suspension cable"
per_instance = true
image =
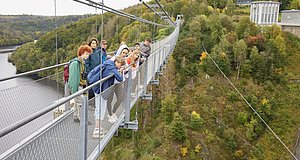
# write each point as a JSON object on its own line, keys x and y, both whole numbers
{"x": 250, "y": 105}
{"x": 155, "y": 12}
{"x": 165, "y": 12}
{"x": 150, "y": 8}
{"x": 207, "y": 111}
{"x": 108, "y": 9}
{"x": 124, "y": 13}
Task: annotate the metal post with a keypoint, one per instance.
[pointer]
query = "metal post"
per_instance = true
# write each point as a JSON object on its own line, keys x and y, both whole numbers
{"x": 127, "y": 101}
{"x": 153, "y": 68}
{"x": 67, "y": 93}
{"x": 83, "y": 129}
{"x": 160, "y": 54}
{"x": 165, "y": 53}
{"x": 146, "y": 77}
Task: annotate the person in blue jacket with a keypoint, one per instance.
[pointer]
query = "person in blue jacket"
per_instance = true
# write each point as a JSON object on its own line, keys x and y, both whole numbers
{"x": 108, "y": 68}
{"x": 97, "y": 57}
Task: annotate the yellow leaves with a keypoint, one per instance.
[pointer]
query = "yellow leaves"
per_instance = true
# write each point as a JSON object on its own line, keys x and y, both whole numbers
{"x": 195, "y": 115}
{"x": 198, "y": 148}
{"x": 279, "y": 70}
{"x": 239, "y": 153}
{"x": 223, "y": 55}
{"x": 184, "y": 151}
{"x": 264, "y": 101}
{"x": 202, "y": 57}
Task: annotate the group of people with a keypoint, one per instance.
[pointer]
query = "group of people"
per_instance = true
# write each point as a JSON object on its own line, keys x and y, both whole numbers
{"x": 91, "y": 60}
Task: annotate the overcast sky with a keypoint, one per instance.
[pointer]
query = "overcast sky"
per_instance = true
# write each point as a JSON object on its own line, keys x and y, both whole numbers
{"x": 63, "y": 7}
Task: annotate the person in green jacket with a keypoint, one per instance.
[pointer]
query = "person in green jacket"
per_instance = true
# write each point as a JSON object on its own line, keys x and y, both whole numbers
{"x": 77, "y": 77}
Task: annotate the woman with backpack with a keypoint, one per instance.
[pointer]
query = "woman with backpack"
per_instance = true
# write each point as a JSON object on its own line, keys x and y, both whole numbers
{"x": 77, "y": 77}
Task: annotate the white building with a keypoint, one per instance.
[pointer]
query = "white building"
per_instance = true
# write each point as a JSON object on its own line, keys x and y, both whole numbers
{"x": 243, "y": 2}
{"x": 290, "y": 21}
{"x": 264, "y": 12}
{"x": 290, "y": 17}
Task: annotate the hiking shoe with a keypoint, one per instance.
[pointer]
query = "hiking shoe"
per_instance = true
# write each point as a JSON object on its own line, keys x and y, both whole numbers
{"x": 115, "y": 116}
{"x": 112, "y": 119}
{"x": 141, "y": 86}
{"x": 133, "y": 95}
{"x": 96, "y": 133}
{"x": 99, "y": 133}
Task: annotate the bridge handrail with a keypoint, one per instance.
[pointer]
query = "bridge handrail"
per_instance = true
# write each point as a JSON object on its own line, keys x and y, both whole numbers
{"x": 32, "y": 72}
{"x": 38, "y": 114}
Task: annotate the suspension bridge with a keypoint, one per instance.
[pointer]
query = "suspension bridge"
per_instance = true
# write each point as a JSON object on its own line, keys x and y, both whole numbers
{"x": 42, "y": 126}
{"x": 61, "y": 137}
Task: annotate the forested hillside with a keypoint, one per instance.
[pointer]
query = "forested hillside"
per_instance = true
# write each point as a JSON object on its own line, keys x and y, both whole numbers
{"x": 194, "y": 117}
{"x": 195, "y": 113}
{"x": 71, "y": 36}
{"x": 20, "y": 29}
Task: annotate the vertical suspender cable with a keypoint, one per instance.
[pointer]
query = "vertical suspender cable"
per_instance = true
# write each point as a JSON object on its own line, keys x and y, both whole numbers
{"x": 96, "y": 22}
{"x": 129, "y": 40}
{"x": 140, "y": 22}
{"x": 117, "y": 29}
{"x": 153, "y": 33}
{"x": 101, "y": 53}
{"x": 56, "y": 54}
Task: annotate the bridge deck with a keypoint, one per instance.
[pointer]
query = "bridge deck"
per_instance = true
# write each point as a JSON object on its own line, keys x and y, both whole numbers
{"x": 61, "y": 140}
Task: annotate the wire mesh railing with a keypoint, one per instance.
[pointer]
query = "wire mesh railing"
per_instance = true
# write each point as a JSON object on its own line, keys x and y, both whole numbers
{"x": 22, "y": 101}
{"x": 62, "y": 138}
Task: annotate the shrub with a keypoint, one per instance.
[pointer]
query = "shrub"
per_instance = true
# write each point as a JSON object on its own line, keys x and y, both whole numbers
{"x": 242, "y": 117}
{"x": 178, "y": 130}
{"x": 168, "y": 108}
{"x": 196, "y": 121}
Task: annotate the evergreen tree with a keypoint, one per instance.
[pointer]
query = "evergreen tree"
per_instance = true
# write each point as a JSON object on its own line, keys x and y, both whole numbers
{"x": 178, "y": 129}
{"x": 196, "y": 121}
{"x": 169, "y": 107}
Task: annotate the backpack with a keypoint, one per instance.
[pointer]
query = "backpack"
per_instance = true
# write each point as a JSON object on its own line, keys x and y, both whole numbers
{"x": 66, "y": 69}
{"x": 94, "y": 74}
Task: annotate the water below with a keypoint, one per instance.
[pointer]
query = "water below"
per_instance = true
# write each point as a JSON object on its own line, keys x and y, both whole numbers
{"x": 8, "y": 69}
{"x": 19, "y": 99}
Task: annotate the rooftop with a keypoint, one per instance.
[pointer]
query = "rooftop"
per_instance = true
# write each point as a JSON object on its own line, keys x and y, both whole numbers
{"x": 266, "y": 2}
{"x": 288, "y": 11}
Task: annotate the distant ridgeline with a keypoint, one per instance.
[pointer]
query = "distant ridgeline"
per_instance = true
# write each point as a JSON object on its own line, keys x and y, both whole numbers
{"x": 20, "y": 29}
{"x": 31, "y": 56}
